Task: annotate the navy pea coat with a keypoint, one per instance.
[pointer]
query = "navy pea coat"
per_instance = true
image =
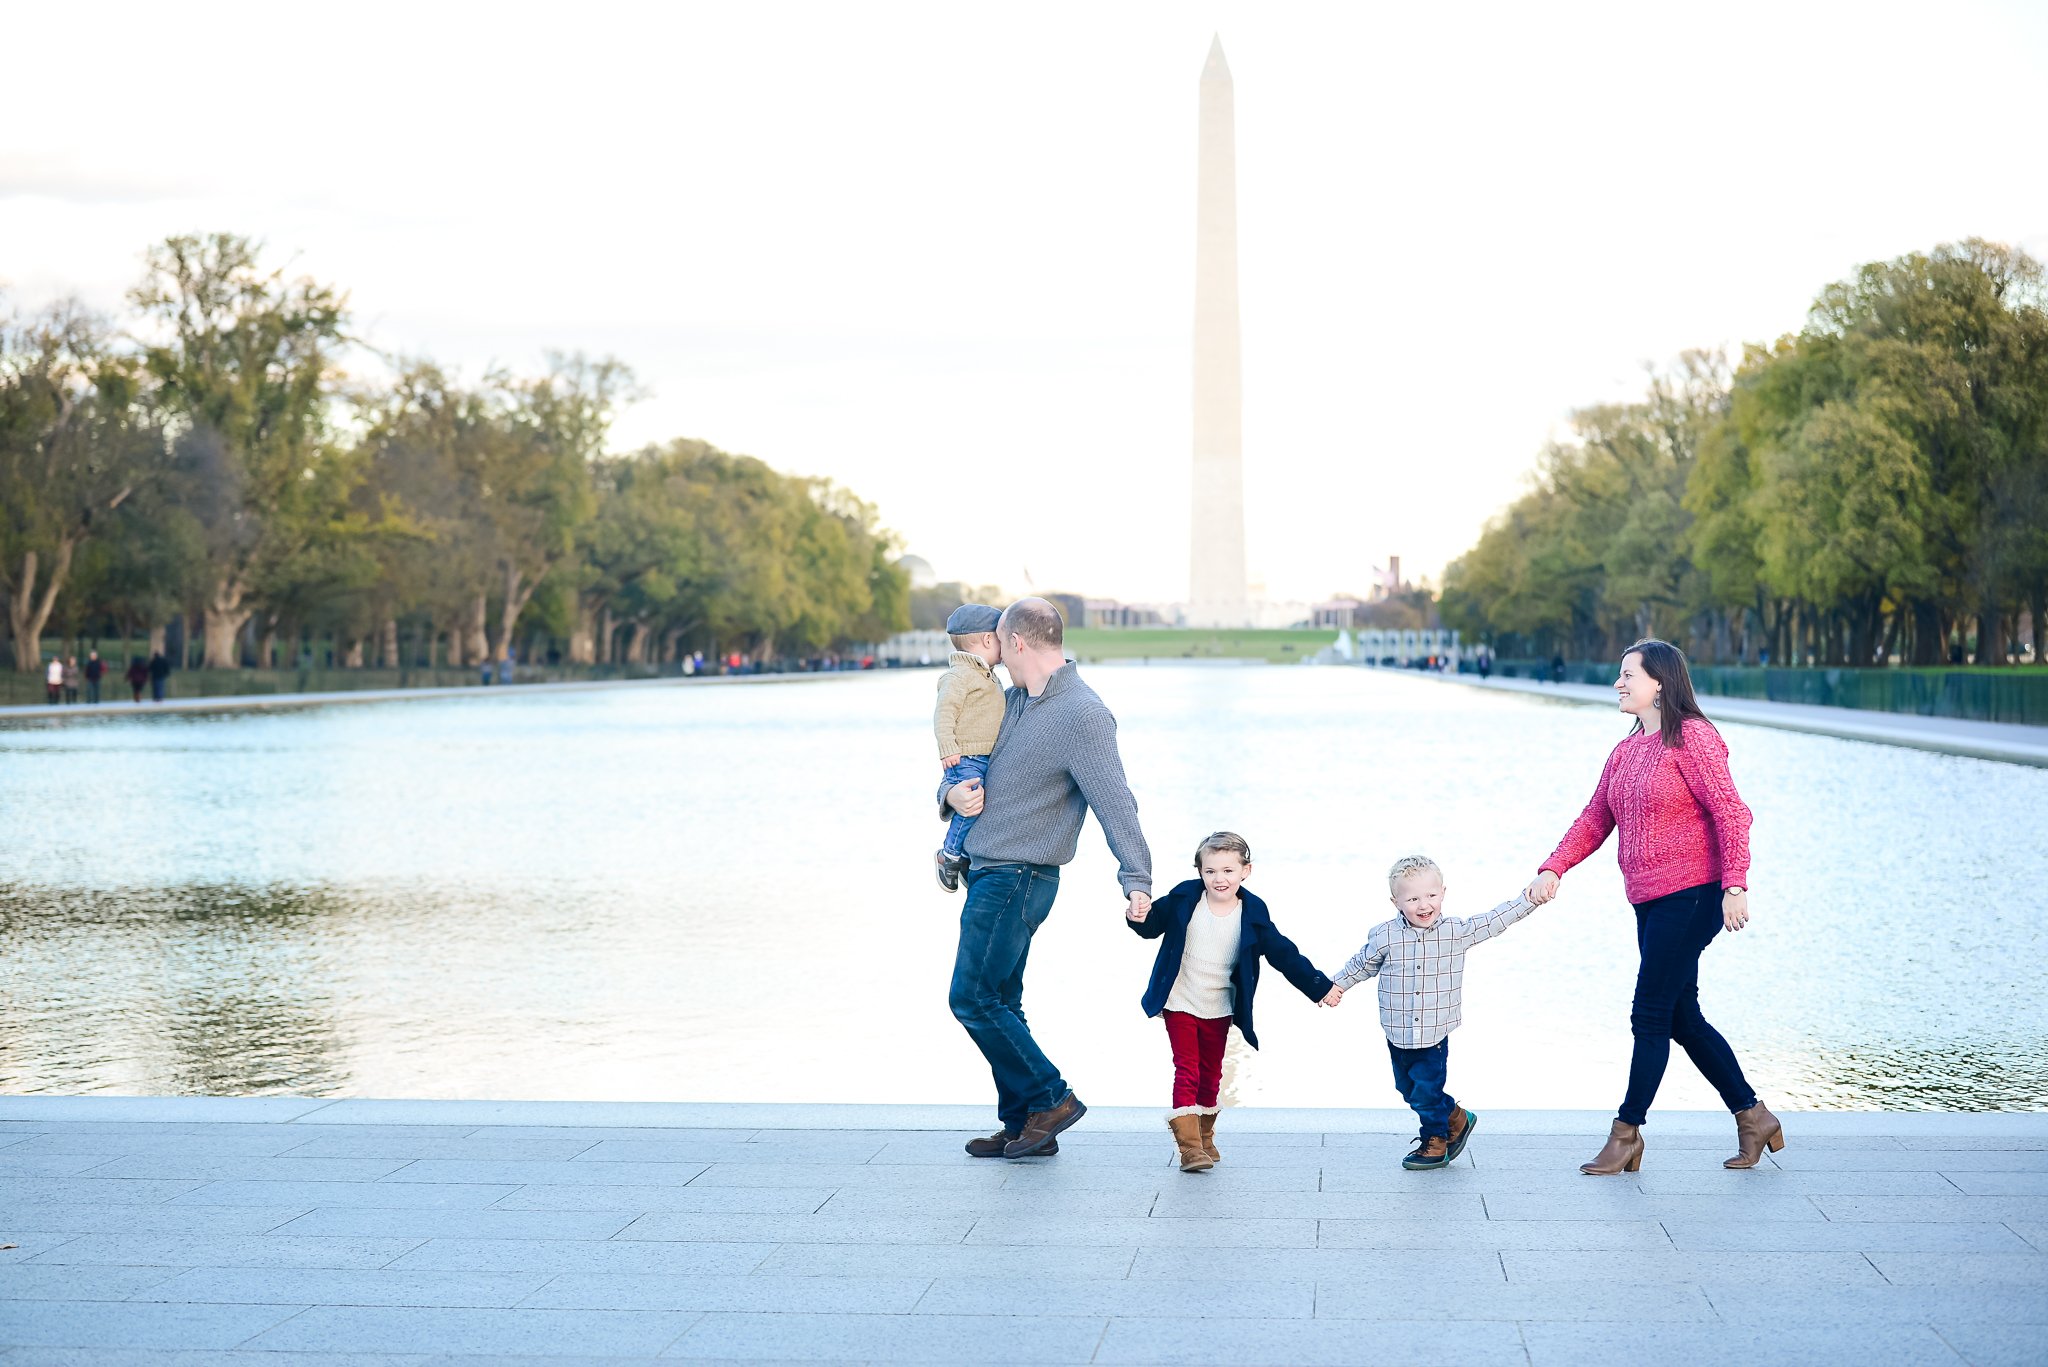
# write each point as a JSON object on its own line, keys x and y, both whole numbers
{"x": 1259, "y": 939}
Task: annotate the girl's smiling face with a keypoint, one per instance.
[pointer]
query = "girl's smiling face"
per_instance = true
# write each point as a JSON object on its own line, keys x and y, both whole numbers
{"x": 1222, "y": 871}
{"x": 1419, "y": 897}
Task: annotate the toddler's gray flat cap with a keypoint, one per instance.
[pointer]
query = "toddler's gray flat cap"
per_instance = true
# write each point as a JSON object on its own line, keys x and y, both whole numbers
{"x": 970, "y": 619}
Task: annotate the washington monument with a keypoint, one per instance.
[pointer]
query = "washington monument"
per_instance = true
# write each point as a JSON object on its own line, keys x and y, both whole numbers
{"x": 1216, "y": 576}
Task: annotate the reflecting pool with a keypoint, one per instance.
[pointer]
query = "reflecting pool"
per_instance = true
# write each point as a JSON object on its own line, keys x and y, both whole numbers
{"x": 723, "y": 893}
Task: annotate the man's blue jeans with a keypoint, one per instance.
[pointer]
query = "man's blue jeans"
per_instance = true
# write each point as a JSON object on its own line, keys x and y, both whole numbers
{"x": 970, "y": 766}
{"x": 1006, "y": 904}
{"x": 1420, "y": 1075}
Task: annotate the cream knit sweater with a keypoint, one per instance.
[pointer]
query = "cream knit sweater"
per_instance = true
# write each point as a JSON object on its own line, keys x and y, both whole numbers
{"x": 1207, "y": 961}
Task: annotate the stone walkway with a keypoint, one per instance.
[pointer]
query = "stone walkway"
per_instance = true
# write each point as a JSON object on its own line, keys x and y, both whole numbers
{"x": 2006, "y": 741}
{"x": 315, "y": 1234}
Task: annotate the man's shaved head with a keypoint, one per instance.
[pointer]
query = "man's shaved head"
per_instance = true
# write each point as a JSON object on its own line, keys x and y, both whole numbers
{"x": 1036, "y": 621}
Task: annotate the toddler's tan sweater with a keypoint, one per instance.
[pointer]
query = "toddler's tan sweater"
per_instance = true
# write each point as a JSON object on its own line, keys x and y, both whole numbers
{"x": 970, "y": 711}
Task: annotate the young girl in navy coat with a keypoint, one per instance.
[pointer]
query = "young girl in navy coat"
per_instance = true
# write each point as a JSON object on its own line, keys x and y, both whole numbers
{"x": 1212, "y": 934}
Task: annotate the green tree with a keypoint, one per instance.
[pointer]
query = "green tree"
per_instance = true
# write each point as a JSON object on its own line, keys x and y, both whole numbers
{"x": 247, "y": 367}
{"x": 76, "y": 442}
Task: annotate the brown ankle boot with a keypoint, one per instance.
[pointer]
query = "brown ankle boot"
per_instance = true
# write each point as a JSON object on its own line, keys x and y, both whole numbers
{"x": 1755, "y": 1129}
{"x": 1209, "y": 1137}
{"x": 1187, "y": 1137}
{"x": 1623, "y": 1152}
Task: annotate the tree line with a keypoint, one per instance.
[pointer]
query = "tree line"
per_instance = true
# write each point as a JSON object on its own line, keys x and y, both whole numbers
{"x": 214, "y": 464}
{"x": 1871, "y": 489}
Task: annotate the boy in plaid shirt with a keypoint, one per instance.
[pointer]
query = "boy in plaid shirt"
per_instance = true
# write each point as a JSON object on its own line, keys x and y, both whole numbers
{"x": 1419, "y": 958}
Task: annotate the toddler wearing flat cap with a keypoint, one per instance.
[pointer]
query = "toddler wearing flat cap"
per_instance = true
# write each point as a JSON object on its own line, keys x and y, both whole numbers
{"x": 967, "y": 719}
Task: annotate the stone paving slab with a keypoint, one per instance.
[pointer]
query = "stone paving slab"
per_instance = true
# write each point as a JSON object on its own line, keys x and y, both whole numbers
{"x": 459, "y": 1232}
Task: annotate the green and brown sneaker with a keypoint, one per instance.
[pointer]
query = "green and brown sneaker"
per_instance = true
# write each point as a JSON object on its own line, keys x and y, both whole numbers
{"x": 1463, "y": 1122}
{"x": 1430, "y": 1153}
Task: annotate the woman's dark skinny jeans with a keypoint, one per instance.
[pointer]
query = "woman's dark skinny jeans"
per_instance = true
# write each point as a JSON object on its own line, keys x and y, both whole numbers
{"x": 1672, "y": 932}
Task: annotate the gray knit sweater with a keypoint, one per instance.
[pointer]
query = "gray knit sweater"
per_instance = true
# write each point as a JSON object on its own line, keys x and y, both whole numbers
{"x": 1055, "y": 761}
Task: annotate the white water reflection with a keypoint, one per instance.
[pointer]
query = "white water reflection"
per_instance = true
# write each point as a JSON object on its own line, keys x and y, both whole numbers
{"x": 722, "y": 893}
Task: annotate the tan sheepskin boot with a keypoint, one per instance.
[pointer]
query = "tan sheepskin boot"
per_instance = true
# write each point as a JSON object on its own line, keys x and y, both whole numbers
{"x": 1187, "y": 1137}
{"x": 1209, "y": 1137}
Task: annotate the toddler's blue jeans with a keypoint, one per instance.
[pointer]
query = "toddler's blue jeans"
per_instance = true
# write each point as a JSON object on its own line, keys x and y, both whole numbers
{"x": 1420, "y": 1075}
{"x": 970, "y": 766}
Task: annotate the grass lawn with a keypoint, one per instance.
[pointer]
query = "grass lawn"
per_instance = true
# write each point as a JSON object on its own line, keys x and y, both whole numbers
{"x": 1173, "y": 643}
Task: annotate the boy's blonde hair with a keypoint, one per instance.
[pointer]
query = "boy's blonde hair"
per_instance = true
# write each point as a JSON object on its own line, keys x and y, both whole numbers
{"x": 1223, "y": 842}
{"x": 1411, "y": 863}
{"x": 968, "y": 640}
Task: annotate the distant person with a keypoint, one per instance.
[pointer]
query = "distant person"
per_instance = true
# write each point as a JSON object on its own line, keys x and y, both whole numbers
{"x": 507, "y": 663}
{"x": 137, "y": 676}
{"x": 1684, "y": 848}
{"x": 71, "y": 677}
{"x": 484, "y": 672}
{"x": 53, "y": 682}
{"x": 159, "y": 675}
{"x": 1212, "y": 934}
{"x": 966, "y": 720}
{"x": 95, "y": 670}
{"x": 1419, "y": 958}
{"x": 1557, "y": 669}
{"x": 1055, "y": 761}
{"x": 1485, "y": 664}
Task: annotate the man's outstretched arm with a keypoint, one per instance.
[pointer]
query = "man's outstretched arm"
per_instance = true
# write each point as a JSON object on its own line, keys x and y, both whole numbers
{"x": 1098, "y": 772}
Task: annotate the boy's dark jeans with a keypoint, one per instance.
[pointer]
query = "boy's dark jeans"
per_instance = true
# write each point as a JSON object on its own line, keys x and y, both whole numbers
{"x": 970, "y": 766}
{"x": 1420, "y": 1074}
{"x": 1672, "y": 932}
{"x": 1006, "y": 904}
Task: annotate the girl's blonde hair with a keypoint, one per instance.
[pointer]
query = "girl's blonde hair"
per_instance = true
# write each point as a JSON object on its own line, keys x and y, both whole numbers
{"x": 1223, "y": 842}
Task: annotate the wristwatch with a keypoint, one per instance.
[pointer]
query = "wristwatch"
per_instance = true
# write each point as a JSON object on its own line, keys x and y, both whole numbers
{"x": 1742, "y": 890}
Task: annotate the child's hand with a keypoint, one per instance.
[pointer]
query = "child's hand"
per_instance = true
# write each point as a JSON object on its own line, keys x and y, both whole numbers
{"x": 1139, "y": 907}
{"x": 1543, "y": 889}
{"x": 948, "y": 761}
{"x": 1334, "y": 996}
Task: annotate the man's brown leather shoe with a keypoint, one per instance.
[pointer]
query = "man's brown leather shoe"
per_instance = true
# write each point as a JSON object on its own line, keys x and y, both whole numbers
{"x": 992, "y": 1147}
{"x": 1041, "y": 1126}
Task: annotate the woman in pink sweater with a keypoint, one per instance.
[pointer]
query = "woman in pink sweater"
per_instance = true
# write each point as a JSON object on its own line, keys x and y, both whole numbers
{"x": 1684, "y": 847}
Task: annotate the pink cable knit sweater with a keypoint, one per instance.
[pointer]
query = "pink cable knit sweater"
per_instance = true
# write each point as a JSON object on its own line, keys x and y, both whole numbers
{"x": 1681, "y": 821}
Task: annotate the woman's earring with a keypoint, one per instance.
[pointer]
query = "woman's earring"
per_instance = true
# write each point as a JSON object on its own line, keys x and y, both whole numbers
{"x": 1657, "y": 703}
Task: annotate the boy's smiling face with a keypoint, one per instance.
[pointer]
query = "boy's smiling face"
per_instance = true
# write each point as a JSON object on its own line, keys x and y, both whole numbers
{"x": 1419, "y": 897}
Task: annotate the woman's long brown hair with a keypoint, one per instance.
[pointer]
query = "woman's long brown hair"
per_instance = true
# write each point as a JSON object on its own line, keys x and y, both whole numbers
{"x": 1665, "y": 663}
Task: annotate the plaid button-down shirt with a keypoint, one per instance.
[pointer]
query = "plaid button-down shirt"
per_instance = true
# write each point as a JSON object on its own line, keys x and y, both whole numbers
{"x": 1422, "y": 972}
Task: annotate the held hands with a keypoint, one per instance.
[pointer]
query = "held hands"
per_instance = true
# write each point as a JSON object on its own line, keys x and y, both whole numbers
{"x": 1335, "y": 995}
{"x": 1735, "y": 908}
{"x": 1139, "y": 907}
{"x": 1543, "y": 889}
{"x": 948, "y": 761}
{"x": 965, "y": 797}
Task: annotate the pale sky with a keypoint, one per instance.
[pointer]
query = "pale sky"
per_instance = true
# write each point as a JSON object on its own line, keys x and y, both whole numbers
{"x": 945, "y": 254}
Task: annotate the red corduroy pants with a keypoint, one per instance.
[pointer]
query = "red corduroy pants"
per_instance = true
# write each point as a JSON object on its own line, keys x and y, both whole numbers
{"x": 1197, "y": 1056}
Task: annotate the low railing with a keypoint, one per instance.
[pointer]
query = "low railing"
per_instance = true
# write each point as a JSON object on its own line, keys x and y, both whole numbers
{"x": 16, "y": 688}
{"x": 2019, "y": 694}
